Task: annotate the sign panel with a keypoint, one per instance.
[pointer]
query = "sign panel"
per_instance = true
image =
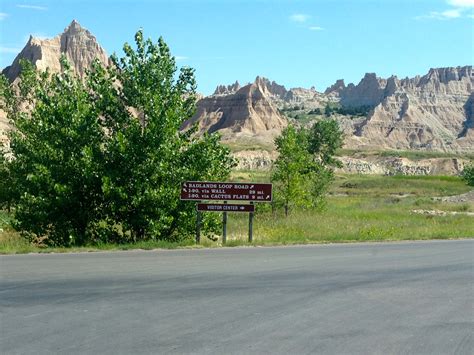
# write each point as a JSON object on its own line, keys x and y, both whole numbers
{"x": 216, "y": 207}
{"x": 226, "y": 191}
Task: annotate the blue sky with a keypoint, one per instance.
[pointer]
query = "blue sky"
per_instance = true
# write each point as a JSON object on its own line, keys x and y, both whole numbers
{"x": 295, "y": 43}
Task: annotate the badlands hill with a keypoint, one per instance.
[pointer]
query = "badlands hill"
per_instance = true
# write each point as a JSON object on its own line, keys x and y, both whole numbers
{"x": 430, "y": 112}
{"x": 240, "y": 113}
{"x": 78, "y": 45}
{"x": 433, "y": 112}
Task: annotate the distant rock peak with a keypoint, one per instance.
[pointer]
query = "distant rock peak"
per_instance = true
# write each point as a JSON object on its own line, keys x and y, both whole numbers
{"x": 227, "y": 89}
{"x": 78, "y": 45}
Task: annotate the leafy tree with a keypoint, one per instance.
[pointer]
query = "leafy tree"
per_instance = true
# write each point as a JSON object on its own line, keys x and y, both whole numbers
{"x": 149, "y": 157}
{"x": 6, "y": 192}
{"x": 291, "y": 168}
{"x": 325, "y": 138}
{"x": 303, "y": 171}
{"x": 102, "y": 159}
{"x": 468, "y": 174}
{"x": 57, "y": 156}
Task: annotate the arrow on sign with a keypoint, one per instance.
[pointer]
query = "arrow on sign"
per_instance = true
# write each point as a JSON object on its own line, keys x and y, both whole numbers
{"x": 185, "y": 190}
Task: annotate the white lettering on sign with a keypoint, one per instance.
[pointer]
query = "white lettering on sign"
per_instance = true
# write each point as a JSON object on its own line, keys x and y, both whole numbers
{"x": 203, "y": 186}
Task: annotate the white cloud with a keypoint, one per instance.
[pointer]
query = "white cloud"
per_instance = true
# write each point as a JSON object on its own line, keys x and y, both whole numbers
{"x": 299, "y": 18}
{"x": 3, "y": 15}
{"x": 443, "y": 15}
{"x": 455, "y": 13}
{"x": 32, "y": 7}
{"x": 461, "y": 3}
{"x": 9, "y": 50}
{"x": 315, "y": 28}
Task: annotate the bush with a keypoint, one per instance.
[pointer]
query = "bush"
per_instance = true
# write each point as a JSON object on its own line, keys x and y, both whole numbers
{"x": 468, "y": 174}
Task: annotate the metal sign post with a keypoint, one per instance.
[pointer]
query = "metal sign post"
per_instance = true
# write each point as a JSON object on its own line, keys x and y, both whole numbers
{"x": 198, "y": 227}
{"x": 251, "y": 225}
{"x": 224, "y": 226}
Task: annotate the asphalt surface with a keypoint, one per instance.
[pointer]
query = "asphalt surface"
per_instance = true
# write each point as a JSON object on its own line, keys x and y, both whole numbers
{"x": 396, "y": 298}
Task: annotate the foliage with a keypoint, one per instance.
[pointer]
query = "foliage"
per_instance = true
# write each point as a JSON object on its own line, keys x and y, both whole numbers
{"x": 333, "y": 107}
{"x": 6, "y": 191}
{"x": 468, "y": 174}
{"x": 291, "y": 168}
{"x": 324, "y": 140}
{"x": 303, "y": 171}
{"x": 57, "y": 157}
{"x": 98, "y": 161}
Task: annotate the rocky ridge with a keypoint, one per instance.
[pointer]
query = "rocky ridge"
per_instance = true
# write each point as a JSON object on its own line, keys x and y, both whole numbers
{"x": 430, "y": 112}
{"x": 249, "y": 112}
{"x": 78, "y": 45}
{"x": 262, "y": 160}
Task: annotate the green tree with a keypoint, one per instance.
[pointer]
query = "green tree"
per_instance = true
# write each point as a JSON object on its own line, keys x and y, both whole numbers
{"x": 291, "y": 169}
{"x": 303, "y": 171}
{"x": 57, "y": 156}
{"x": 6, "y": 191}
{"x": 102, "y": 159}
{"x": 468, "y": 174}
{"x": 325, "y": 138}
{"x": 149, "y": 157}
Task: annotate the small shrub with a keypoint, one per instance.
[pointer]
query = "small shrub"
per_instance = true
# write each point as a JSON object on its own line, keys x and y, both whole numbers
{"x": 468, "y": 174}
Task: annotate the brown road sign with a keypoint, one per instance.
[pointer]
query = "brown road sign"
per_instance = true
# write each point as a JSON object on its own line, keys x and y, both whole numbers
{"x": 226, "y": 191}
{"x": 216, "y": 207}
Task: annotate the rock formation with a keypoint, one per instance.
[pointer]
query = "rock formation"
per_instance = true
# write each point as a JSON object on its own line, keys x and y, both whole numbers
{"x": 78, "y": 45}
{"x": 249, "y": 112}
{"x": 432, "y": 112}
{"x": 227, "y": 90}
{"x": 336, "y": 88}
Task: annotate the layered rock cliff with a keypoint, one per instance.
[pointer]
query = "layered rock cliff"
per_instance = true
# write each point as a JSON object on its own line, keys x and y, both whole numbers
{"x": 249, "y": 112}
{"x": 432, "y": 112}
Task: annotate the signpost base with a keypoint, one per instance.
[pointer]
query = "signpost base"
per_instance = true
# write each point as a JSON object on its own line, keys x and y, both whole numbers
{"x": 198, "y": 227}
{"x": 224, "y": 226}
{"x": 251, "y": 226}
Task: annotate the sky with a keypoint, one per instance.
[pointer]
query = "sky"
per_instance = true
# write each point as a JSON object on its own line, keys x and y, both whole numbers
{"x": 295, "y": 43}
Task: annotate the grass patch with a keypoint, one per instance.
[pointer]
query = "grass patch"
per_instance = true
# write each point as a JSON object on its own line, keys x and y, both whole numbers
{"x": 360, "y": 208}
{"x": 244, "y": 144}
{"x": 250, "y": 175}
{"x": 409, "y": 154}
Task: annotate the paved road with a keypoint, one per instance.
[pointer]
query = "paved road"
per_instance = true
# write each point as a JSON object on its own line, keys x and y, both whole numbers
{"x": 399, "y": 298}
